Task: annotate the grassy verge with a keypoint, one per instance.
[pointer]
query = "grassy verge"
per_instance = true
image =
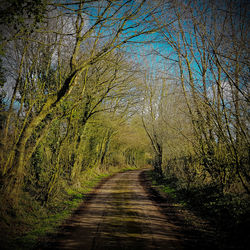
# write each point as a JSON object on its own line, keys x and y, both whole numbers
{"x": 229, "y": 214}
{"x": 23, "y": 227}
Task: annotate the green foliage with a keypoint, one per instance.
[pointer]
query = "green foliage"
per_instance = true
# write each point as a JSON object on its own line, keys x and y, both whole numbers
{"x": 14, "y": 12}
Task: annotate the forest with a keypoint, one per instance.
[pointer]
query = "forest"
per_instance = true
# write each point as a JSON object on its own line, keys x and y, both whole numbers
{"x": 91, "y": 87}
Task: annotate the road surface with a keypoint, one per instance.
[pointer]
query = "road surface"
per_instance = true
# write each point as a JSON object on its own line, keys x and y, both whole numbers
{"x": 120, "y": 215}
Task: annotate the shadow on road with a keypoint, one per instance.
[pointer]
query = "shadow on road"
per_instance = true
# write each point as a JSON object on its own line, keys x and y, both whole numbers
{"x": 124, "y": 213}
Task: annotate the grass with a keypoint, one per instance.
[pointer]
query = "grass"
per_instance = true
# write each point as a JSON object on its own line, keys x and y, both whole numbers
{"x": 31, "y": 222}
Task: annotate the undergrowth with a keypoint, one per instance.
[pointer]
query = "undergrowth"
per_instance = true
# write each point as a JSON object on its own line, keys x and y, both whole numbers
{"x": 228, "y": 213}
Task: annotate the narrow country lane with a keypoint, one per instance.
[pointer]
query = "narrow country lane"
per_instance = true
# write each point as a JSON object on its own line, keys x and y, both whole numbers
{"x": 119, "y": 216}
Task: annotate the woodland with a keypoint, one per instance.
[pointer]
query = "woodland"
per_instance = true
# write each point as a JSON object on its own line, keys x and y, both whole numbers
{"x": 90, "y": 87}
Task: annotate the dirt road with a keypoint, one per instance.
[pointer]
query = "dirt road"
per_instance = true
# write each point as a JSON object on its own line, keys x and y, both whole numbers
{"x": 120, "y": 215}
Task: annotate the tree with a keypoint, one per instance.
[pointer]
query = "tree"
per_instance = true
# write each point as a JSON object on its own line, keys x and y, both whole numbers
{"x": 209, "y": 76}
{"x": 103, "y": 26}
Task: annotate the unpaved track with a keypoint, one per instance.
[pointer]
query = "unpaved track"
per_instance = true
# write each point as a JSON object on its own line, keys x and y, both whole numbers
{"x": 120, "y": 215}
